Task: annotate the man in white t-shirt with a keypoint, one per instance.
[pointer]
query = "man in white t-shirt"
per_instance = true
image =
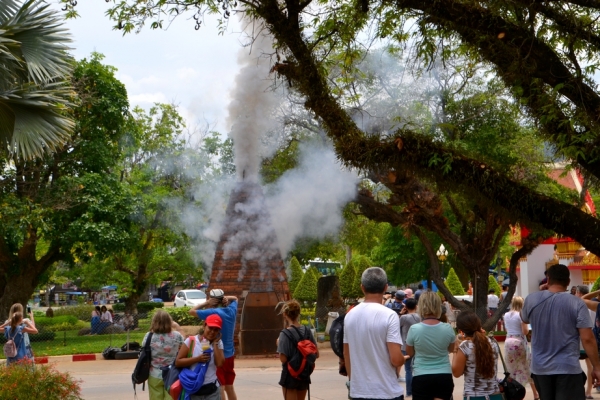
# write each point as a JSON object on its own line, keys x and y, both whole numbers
{"x": 492, "y": 301}
{"x": 372, "y": 343}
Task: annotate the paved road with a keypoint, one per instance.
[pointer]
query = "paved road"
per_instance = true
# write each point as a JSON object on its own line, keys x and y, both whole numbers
{"x": 256, "y": 379}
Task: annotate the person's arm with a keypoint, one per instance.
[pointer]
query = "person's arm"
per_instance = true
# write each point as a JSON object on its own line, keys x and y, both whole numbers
{"x": 396, "y": 356}
{"x": 459, "y": 363}
{"x": 228, "y": 300}
{"x": 590, "y": 295}
{"x": 524, "y": 328}
{"x": 31, "y": 319}
{"x": 410, "y": 351}
{"x": 591, "y": 349}
{"x": 347, "y": 360}
{"x": 211, "y": 303}
{"x": 30, "y": 329}
{"x": 219, "y": 354}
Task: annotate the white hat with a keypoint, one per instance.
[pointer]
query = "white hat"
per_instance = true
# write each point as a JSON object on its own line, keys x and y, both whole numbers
{"x": 217, "y": 293}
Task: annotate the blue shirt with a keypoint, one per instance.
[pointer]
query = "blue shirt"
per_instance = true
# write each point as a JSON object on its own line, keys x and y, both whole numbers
{"x": 228, "y": 315}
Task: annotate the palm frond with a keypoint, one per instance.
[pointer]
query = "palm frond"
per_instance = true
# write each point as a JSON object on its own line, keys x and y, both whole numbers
{"x": 8, "y": 8}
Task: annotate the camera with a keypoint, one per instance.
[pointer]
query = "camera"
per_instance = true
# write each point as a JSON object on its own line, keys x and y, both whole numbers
{"x": 28, "y": 309}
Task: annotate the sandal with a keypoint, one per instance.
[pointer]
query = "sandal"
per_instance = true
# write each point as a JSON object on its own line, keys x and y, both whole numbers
{"x": 589, "y": 397}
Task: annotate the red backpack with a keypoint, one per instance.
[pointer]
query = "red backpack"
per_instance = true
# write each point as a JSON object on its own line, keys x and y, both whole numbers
{"x": 302, "y": 363}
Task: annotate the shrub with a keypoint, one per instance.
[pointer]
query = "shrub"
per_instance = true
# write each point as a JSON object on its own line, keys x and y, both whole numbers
{"x": 182, "y": 317}
{"x": 493, "y": 285}
{"x": 82, "y": 312}
{"x": 295, "y": 274}
{"x": 60, "y": 320}
{"x": 361, "y": 263}
{"x": 20, "y": 381}
{"x": 346, "y": 280}
{"x": 143, "y": 307}
{"x": 307, "y": 288}
{"x": 67, "y": 326}
{"x": 453, "y": 283}
{"x": 596, "y": 285}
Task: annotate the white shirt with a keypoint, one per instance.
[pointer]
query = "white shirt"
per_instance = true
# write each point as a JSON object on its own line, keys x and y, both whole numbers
{"x": 493, "y": 301}
{"x": 211, "y": 371}
{"x": 106, "y": 316}
{"x": 368, "y": 328}
{"x": 512, "y": 323}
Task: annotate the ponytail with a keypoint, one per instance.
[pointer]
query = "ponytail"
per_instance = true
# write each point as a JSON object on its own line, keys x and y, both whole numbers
{"x": 484, "y": 355}
{"x": 15, "y": 321}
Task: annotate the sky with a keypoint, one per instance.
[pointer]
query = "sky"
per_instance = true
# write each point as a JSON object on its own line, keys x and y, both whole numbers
{"x": 194, "y": 69}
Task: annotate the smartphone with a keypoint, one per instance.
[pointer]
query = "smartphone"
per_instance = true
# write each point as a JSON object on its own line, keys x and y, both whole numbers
{"x": 28, "y": 309}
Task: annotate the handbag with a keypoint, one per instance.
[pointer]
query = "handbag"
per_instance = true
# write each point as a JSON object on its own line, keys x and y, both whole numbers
{"x": 170, "y": 375}
{"x": 510, "y": 388}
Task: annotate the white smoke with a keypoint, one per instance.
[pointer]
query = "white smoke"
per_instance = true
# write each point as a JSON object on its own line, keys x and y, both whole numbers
{"x": 251, "y": 111}
{"x": 308, "y": 200}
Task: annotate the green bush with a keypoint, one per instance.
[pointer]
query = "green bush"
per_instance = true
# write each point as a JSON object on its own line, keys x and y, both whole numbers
{"x": 346, "y": 280}
{"x": 142, "y": 307}
{"x": 20, "y": 381}
{"x": 307, "y": 288}
{"x": 453, "y": 283}
{"x": 60, "y": 320}
{"x": 182, "y": 317}
{"x": 361, "y": 263}
{"x": 596, "y": 285}
{"x": 295, "y": 274}
{"x": 67, "y": 326}
{"x": 493, "y": 285}
{"x": 82, "y": 312}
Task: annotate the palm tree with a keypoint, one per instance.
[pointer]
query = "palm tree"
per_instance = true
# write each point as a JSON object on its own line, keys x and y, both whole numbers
{"x": 34, "y": 79}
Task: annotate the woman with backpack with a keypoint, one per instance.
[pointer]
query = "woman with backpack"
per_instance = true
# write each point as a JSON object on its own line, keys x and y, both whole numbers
{"x": 476, "y": 358}
{"x": 15, "y": 333}
{"x": 293, "y": 389}
{"x": 18, "y": 307}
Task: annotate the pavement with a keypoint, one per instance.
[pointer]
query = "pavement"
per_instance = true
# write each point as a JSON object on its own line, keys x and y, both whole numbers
{"x": 256, "y": 378}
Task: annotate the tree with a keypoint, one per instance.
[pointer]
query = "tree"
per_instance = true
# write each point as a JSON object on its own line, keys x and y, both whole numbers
{"x": 493, "y": 285}
{"x": 360, "y": 264}
{"x": 307, "y": 288}
{"x": 34, "y": 82}
{"x": 453, "y": 283}
{"x": 295, "y": 274}
{"x": 596, "y": 285}
{"x": 347, "y": 274}
{"x": 53, "y": 206}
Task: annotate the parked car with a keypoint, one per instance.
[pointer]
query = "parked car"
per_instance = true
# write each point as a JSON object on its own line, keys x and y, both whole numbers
{"x": 189, "y": 298}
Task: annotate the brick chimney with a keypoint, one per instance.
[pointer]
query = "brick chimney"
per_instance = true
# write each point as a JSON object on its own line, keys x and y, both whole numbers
{"x": 248, "y": 265}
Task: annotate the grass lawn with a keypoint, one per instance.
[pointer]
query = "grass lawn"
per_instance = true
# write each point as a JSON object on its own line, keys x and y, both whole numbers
{"x": 86, "y": 344}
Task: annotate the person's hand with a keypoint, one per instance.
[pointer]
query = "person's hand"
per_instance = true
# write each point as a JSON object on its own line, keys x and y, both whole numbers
{"x": 596, "y": 376}
{"x": 212, "y": 302}
{"x": 204, "y": 357}
{"x": 219, "y": 336}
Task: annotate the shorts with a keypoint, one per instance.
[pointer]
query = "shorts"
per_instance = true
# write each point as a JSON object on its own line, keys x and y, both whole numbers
{"x": 289, "y": 382}
{"x": 561, "y": 386}
{"x": 432, "y": 386}
{"x": 225, "y": 372}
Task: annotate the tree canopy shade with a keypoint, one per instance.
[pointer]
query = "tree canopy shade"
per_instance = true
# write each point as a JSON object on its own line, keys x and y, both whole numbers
{"x": 34, "y": 79}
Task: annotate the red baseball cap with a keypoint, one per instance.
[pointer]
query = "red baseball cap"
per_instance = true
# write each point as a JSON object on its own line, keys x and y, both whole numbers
{"x": 214, "y": 321}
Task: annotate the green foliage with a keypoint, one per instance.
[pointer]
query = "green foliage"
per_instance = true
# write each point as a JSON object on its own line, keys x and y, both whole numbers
{"x": 307, "y": 288}
{"x": 67, "y": 326}
{"x": 453, "y": 283}
{"x": 56, "y": 320}
{"x": 295, "y": 274}
{"x": 182, "y": 317}
{"x": 142, "y": 307}
{"x": 81, "y": 312}
{"x": 361, "y": 263}
{"x": 21, "y": 381}
{"x": 596, "y": 285}
{"x": 346, "y": 275}
{"x": 403, "y": 258}
{"x": 493, "y": 285}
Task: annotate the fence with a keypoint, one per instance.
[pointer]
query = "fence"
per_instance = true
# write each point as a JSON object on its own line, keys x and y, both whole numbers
{"x": 71, "y": 331}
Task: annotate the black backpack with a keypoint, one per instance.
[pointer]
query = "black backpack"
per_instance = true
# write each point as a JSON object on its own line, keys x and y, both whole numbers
{"x": 109, "y": 352}
{"x": 141, "y": 371}
{"x": 397, "y": 307}
{"x": 302, "y": 363}
{"x": 336, "y": 336}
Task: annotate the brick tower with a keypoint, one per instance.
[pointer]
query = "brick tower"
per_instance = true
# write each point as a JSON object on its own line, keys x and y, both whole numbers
{"x": 248, "y": 265}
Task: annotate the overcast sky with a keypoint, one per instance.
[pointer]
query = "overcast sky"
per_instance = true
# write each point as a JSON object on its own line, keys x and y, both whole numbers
{"x": 193, "y": 69}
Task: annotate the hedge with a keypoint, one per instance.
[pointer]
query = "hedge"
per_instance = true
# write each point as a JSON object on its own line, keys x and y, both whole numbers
{"x": 142, "y": 307}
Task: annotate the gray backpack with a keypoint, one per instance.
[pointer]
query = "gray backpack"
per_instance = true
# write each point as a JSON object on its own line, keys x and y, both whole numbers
{"x": 10, "y": 348}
